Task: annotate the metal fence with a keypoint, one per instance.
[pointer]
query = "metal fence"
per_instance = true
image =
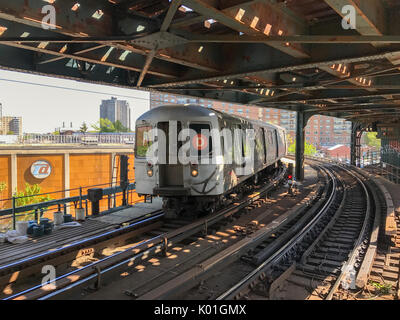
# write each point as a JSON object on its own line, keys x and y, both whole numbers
{"x": 112, "y": 198}
{"x": 390, "y": 172}
{"x": 77, "y": 139}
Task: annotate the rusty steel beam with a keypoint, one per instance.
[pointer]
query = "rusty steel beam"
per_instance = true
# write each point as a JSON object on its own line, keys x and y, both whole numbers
{"x": 316, "y": 39}
{"x": 329, "y": 84}
{"x": 370, "y": 14}
{"x": 349, "y": 97}
{"x": 286, "y": 68}
{"x": 175, "y": 4}
{"x": 82, "y": 27}
{"x": 75, "y": 53}
{"x": 146, "y": 67}
{"x": 110, "y": 63}
{"x": 373, "y": 115}
{"x": 265, "y": 15}
{"x": 370, "y": 19}
{"x": 226, "y": 5}
{"x": 195, "y": 38}
{"x": 79, "y": 23}
{"x": 356, "y": 108}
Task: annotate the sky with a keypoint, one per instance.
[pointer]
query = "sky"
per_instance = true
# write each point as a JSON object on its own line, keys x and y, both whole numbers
{"x": 44, "y": 103}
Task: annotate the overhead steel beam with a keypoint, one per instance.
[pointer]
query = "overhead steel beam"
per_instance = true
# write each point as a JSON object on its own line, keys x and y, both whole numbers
{"x": 265, "y": 15}
{"x": 318, "y": 39}
{"x": 175, "y": 4}
{"x": 242, "y": 39}
{"x": 370, "y": 14}
{"x": 336, "y": 97}
{"x": 286, "y": 68}
{"x": 352, "y": 109}
{"x": 81, "y": 24}
{"x": 112, "y": 62}
{"x": 74, "y": 53}
{"x": 372, "y": 115}
{"x": 371, "y": 19}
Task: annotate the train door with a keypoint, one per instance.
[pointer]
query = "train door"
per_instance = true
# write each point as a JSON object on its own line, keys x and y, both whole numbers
{"x": 238, "y": 148}
{"x": 284, "y": 142}
{"x": 264, "y": 146}
{"x": 276, "y": 143}
{"x": 269, "y": 141}
{"x": 170, "y": 170}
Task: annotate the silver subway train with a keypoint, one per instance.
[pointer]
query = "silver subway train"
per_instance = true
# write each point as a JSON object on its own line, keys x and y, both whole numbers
{"x": 193, "y": 157}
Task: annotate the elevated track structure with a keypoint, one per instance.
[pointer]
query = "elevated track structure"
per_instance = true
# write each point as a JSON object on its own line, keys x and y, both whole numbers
{"x": 338, "y": 58}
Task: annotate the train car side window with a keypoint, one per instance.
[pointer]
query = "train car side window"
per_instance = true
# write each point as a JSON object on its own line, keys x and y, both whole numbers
{"x": 143, "y": 140}
{"x": 202, "y": 141}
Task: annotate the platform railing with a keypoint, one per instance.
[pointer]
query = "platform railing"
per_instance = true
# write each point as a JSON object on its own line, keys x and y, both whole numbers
{"x": 389, "y": 171}
{"x": 112, "y": 198}
{"x": 86, "y": 139}
{"x": 386, "y": 170}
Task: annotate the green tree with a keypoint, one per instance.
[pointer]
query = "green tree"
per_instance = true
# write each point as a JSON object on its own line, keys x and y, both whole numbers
{"x": 119, "y": 127}
{"x": 309, "y": 149}
{"x": 84, "y": 128}
{"x": 104, "y": 125}
{"x": 30, "y": 195}
{"x": 371, "y": 139}
{"x": 10, "y": 133}
{"x": 3, "y": 187}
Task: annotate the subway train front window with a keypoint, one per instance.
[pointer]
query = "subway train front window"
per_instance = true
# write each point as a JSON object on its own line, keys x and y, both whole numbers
{"x": 143, "y": 140}
{"x": 201, "y": 141}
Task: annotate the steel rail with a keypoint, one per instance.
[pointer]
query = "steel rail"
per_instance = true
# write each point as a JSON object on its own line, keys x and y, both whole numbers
{"x": 357, "y": 247}
{"x": 151, "y": 246}
{"x": 206, "y": 268}
{"x": 80, "y": 243}
{"x": 284, "y": 249}
{"x": 50, "y": 203}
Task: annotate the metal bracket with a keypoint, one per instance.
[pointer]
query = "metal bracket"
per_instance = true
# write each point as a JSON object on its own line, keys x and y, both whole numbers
{"x": 98, "y": 280}
{"x": 159, "y": 40}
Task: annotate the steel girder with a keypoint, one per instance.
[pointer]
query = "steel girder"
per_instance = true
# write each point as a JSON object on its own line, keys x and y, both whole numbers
{"x": 161, "y": 45}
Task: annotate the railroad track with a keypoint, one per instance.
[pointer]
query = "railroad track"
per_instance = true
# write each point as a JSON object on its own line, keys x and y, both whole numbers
{"x": 382, "y": 263}
{"x": 32, "y": 265}
{"x": 324, "y": 254}
{"x": 175, "y": 276}
{"x": 14, "y": 274}
{"x": 151, "y": 242}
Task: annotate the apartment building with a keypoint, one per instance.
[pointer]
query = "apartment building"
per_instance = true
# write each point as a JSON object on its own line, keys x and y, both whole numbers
{"x": 320, "y": 131}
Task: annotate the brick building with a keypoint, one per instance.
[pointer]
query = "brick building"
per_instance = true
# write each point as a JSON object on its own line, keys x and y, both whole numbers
{"x": 11, "y": 124}
{"x": 320, "y": 131}
{"x": 114, "y": 110}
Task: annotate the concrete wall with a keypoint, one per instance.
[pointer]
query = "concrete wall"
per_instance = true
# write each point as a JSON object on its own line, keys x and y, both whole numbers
{"x": 71, "y": 168}
{"x": 5, "y": 176}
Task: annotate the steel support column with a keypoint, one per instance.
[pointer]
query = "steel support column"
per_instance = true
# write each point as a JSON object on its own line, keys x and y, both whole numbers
{"x": 355, "y": 144}
{"x": 301, "y": 123}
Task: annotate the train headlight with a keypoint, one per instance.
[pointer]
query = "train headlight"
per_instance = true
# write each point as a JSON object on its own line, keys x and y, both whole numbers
{"x": 195, "y": 172}
{"x": 150, "y": 172}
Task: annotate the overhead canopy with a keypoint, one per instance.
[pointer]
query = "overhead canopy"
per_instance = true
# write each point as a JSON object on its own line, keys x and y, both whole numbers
{"x": 297, "y": 55}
